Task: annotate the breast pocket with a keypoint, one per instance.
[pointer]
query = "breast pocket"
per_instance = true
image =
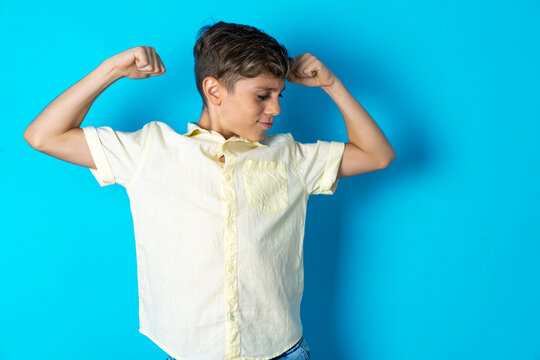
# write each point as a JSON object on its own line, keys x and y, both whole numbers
{"x": 265, "y": 182}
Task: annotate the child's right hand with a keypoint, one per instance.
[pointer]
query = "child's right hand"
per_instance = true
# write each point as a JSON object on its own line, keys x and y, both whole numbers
{"x": 139, "y": 62}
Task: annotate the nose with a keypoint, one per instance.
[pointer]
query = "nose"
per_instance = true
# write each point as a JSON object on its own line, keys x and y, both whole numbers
{"x": 273, "y": 107}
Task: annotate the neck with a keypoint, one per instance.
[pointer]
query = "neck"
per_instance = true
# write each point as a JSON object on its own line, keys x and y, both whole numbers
{"x": 212, "y": 121}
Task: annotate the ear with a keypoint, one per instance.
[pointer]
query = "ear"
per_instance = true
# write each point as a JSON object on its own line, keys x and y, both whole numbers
{"x": 213, "y": 90}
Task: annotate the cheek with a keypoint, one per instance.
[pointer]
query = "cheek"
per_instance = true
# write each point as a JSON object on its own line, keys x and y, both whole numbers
{"x": 258, "y": 107}
{"x": 245, "y": 112}
{"x": 251, "y": 111}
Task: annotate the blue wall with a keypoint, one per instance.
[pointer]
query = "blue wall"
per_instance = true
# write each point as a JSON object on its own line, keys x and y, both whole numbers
{"x": 435, "y": 257}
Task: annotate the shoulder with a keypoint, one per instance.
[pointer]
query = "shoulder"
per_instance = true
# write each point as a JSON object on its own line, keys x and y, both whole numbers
{"x": 277, "y": 140}
{"x": 161, "y": 126}
{"x": 163, "y": 131}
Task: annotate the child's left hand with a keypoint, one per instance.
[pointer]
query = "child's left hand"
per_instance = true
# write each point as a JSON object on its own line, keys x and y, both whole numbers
{"x": 309, "y": 71}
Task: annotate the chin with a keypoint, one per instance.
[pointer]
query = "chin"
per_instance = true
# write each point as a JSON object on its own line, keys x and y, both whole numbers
{"x": 258, "y": 137}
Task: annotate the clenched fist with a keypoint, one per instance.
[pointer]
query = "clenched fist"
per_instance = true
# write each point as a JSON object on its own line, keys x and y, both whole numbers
{"x": 139, "y": 62}
{"x": 309, "y": 71}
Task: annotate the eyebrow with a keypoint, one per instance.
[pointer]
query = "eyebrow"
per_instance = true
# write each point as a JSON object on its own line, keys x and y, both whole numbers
{"x": 269, "y": 88}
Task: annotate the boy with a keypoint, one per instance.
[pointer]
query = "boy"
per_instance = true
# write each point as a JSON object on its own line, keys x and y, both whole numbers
{"x": 219, "y": 211}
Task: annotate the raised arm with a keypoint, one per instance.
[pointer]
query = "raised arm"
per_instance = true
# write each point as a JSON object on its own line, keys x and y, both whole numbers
{"x": 56, "y": 130}
{"x": 367, "y": 149}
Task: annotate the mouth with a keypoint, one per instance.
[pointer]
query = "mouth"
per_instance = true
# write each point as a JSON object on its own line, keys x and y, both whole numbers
{"x": 266, "y": 125}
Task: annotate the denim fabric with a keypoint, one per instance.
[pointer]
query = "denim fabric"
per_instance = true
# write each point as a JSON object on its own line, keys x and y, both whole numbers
{"x": 300, "y": 351}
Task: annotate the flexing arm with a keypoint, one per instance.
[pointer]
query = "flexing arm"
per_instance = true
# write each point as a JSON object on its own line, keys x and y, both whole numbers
{"x": 56, "y": 130}
{"x": 367, "y": 149}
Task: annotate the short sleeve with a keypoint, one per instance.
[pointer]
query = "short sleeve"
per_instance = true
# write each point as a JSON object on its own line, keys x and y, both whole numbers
{"x": 117, "y": 154}
{"x": 318, "y": 164}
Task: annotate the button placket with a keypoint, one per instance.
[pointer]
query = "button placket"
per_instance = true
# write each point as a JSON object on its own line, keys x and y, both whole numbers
{"x": 232, "y": 338}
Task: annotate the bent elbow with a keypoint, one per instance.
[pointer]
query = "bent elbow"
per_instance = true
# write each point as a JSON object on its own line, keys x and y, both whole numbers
{"x": 386, "y": 162}
{"x": 32, "y": 139}
{"x": 28, "y": 138}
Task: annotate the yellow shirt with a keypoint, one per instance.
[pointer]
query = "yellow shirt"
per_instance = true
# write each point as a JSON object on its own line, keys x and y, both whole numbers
{"x": 219, "y": 245}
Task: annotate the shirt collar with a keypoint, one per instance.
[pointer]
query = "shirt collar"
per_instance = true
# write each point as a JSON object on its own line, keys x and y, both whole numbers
{"x": 194, "y": 129}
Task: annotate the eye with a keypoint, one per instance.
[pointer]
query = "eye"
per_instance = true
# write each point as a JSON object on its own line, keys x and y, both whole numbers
{"x": 267, "y": 96}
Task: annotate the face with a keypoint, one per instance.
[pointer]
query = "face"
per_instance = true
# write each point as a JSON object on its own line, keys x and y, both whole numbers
{"x": 250, "y": 110}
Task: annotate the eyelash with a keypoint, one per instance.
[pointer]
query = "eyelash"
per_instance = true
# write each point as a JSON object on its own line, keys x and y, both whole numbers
{"x": 267, "y": 96}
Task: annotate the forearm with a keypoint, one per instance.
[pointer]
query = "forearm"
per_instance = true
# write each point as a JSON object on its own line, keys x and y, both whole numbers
{"x": 362, "y": 130}
{"x": 68, "y": 110}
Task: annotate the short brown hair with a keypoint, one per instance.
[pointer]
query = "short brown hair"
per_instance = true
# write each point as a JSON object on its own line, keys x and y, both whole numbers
{"x": 230, "y": 51}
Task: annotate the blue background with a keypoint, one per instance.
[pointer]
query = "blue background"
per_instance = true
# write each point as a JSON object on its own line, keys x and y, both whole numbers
{"x": 435, "y": 257}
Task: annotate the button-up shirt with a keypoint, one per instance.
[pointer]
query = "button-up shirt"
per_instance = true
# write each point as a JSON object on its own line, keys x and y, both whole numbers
{"x": 219, "y": 245}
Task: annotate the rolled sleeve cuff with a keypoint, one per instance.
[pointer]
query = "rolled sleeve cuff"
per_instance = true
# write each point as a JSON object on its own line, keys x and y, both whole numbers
{"x": 103, "y": 173}
{"x": 329, "y": 178}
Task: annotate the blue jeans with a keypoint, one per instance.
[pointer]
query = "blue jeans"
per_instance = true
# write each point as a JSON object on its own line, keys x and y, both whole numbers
{"x": 300, "y": 351}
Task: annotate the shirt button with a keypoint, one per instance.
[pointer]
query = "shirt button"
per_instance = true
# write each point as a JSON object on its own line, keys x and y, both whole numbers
{"x": 228, "y": 177}
{"x": 231, "y": 316}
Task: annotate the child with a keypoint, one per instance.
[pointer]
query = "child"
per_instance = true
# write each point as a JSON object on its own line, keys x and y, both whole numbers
{"x": 219, "y": 211}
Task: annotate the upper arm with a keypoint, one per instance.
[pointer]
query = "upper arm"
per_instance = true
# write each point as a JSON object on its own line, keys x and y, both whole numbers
{"x": 111, "y": 155}
{"x": 356, "y": 161}
{"x": 71, "y": 146}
